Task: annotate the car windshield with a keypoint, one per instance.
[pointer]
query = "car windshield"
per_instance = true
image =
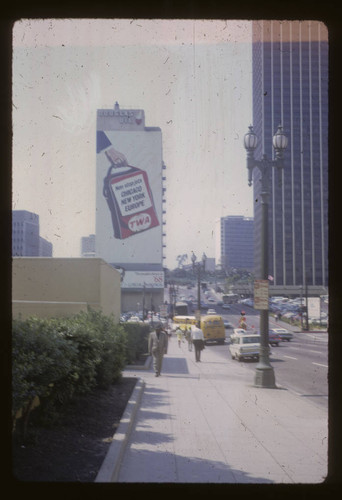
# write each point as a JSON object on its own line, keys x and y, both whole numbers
{"x": 251, "y": 340}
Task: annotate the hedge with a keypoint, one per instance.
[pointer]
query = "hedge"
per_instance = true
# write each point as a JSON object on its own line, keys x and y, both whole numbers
{"x": 137, "y": 340}
{"x": 61, "y": 358}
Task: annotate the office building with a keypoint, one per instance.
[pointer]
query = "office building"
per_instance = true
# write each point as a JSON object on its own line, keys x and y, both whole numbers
{"x": 26, "y": 241}
{"x": 129, "y": 203}
{"x": 88, "y": 246}
{"x": 290, "y": 87}
{"x": 234, "y": 243}
{"x": 45, "y": 247}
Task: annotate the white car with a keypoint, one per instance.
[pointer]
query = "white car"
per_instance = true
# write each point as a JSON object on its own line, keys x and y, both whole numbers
{"x": 211, "y": 311}
{"x": 244, "y": 346}
{"x": 239, "y": 331}
{"x": 133, "y": 319}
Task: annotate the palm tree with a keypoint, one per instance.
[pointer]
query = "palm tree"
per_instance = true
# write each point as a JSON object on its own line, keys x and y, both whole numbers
{"x": 181, "y": 258}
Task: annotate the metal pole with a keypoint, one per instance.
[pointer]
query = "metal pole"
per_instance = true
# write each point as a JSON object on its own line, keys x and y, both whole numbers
{"x": 264, "y": 375}
{"x": 301, "y": 307}
{"x": 144, "y": 301}
{"x": 198, "y": 288}
{"x": 306, "y": 306}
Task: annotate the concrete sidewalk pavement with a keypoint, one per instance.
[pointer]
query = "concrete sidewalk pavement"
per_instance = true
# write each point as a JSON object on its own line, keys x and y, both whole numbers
{"x": 206, "y": 423}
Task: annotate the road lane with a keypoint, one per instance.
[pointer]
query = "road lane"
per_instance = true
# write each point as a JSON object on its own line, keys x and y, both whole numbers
{"x": 300, "y": 365}
{"x": 296, "y": 369}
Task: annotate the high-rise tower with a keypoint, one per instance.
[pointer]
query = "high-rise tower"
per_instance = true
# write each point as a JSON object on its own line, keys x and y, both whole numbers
{"x": 290, "y": 87}
{"x": 234, "y": 248}
{"x": 129, "y": 204}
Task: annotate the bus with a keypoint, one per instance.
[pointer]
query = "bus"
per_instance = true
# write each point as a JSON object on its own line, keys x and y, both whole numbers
{"x": 181, "y": 309}
{"x": 211, "y": 325}
{"x": 230, "y": 298}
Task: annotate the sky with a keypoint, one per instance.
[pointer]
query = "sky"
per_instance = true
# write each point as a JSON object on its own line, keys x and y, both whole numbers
{"x": 193, "y": 78}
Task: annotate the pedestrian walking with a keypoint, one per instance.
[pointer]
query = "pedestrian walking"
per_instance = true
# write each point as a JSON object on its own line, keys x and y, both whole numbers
{"x": 179, "y": 334}
{"x": 188, "y": 338}
{"x": 157, "y": 347}
{"x": 198, "y": 341}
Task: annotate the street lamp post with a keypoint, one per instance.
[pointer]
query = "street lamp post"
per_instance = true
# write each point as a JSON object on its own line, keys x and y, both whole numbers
{"x": 264, "y": 376}
{"x": 197, "y": 267}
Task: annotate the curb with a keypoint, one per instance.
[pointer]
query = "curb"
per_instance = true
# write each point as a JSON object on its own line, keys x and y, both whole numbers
{"x": 145, "y": 366}
{"x": 110, "y": 467}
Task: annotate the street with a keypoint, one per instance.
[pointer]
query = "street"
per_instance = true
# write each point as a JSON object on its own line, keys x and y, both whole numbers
{"x": 300, "y": 365}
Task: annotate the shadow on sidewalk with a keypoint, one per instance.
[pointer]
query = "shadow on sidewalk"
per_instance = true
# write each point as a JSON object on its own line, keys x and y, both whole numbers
{"x": 175, "y": 365}
{"x": 162, "y": 467}
{"x": 154, "y": 397}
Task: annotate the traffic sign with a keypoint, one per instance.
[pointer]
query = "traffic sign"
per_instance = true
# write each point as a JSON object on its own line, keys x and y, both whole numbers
{"x": 261, "y": 294}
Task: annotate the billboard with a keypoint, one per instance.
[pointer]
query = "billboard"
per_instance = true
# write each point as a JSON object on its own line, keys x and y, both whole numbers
{"x": 129, "y": 195}
{"x": 141, "y": 279}
{"x": 314, "y": 307}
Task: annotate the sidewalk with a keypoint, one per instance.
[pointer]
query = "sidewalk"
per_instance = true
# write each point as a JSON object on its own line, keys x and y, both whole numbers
{"x": 206, "y": 422}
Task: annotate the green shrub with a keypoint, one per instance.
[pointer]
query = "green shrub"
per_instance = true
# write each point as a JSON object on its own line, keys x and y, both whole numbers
{"x": 137, "y": 340}
{"x": 61, "y": 358}
{"x": 80, "y": 333}
{"x": 113, "y": 340}
{"x": 41, "y": 358}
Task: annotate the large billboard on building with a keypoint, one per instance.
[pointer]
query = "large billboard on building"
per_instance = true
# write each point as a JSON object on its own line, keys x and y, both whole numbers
{"x": 141, "y": 279}
{"x": 129, "y": 189}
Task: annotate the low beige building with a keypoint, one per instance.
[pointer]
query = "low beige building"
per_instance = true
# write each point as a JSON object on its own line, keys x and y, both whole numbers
{"x": 51, "y": 287}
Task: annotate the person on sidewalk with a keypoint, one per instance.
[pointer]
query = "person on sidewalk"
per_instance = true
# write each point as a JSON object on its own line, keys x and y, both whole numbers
{"x": 188, "y": 337}
{"x": 198, "y": 341}
{"x": 179, "y": 334}
{"x": 157, "y": 347}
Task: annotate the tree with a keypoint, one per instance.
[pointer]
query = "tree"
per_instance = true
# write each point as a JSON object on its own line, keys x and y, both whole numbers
{"x": 181, "y": 258}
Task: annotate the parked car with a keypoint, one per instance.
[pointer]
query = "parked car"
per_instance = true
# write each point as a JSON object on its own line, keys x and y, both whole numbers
{"x": 211, "y": 311}
{"x": 321, "y": 322}
{"x": 273, "y": 339}
{"x": 244, "y": 346}
{"x": 228, "y": 325}
{"x": 248, "y": 302}
{"x": 282, "y": 333}
{"x": 133, "y": 319}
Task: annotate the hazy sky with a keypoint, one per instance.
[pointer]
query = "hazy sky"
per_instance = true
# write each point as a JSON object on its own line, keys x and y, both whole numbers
{"x": 192, "y": 78}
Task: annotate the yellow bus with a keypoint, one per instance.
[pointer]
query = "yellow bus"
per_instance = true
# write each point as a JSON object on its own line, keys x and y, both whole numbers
{"x": 211, "y": 325}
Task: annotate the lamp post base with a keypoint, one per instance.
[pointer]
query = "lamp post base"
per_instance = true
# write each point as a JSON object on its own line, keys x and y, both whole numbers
{"x": 264, "y": 377}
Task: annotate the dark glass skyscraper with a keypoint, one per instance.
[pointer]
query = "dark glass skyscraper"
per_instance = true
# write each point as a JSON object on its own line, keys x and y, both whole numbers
{"x": 290, "y": 87}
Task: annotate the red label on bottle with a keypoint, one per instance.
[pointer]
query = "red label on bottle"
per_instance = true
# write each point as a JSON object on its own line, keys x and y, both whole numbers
{"x": 130, "y": 201}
